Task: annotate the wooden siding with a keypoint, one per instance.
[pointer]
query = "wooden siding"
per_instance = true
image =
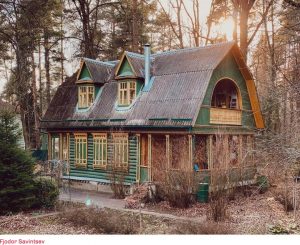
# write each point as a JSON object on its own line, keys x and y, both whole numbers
{"x": 228, "y": 68}
{"x": 101, "y": 175}
{"x": 225, "y": 116}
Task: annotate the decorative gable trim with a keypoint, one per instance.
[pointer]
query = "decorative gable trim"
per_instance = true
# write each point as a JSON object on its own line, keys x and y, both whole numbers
{"x": 122, "y": 60}
{"x": 250, "y": 87}
{"x": 82, "y": 64}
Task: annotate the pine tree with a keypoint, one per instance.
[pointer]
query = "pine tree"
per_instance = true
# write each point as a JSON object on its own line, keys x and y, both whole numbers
{"x": 16, "y": 168}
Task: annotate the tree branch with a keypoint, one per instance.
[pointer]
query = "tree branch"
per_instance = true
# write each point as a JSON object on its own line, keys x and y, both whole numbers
{"x": 261, "y": 22}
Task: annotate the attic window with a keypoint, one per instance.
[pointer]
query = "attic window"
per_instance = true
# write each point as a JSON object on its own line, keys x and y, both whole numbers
{"x": 126, "y": 93}
{"x": 226, "y": 95}
{"x": 85, "y": 96}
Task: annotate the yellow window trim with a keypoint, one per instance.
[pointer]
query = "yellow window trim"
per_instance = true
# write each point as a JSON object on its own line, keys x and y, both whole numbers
{"x": 80, "y": 135}
{"x": 100, "y": 139}
{"x": 126, "y": 92}
{"x": 84, "y": 98}
{"x": 82, "y": 161}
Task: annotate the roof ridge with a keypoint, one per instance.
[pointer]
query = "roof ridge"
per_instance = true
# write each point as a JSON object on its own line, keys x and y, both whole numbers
{"x": 98, "y": 62}
{"x": 183, "y": 50}
{"x": 134, "y": 55}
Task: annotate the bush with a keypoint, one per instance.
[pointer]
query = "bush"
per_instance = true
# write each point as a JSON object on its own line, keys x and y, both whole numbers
{"x": 46, "y": 193}
{"x": 16, "y": 180}
{"x": 218, "y": 205}
{"x": 207, "y": 228}
{"x": 117, "y": 183}
{"x": 284, "y": 197}
{"x": 263, "y": 183}
{"x": 16, "y": 168}
{"x": 178, "y": 188}
{"x": 101, "y": 221}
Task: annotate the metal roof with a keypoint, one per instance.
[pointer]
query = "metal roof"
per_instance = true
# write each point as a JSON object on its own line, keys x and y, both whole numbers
{"x": 100, "y": 71}
{"x": 180, "y": 80}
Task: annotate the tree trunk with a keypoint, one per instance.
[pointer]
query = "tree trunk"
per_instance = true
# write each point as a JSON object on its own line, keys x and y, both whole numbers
{"x": 47, "y": 67}
{"x": 40, "y": 80}
{"x": 235, "y": 25}
{"x": 62, "y": 49}
{"x": 135, "y": 44}
{"x": 35, "y": 107}
{"x": 244, "y": 15}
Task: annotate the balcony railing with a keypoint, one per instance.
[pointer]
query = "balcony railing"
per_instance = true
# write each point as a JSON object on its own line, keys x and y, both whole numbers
{"x": 225, "y": 116}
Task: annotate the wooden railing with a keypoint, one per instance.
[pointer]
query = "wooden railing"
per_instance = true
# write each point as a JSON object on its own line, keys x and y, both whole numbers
{"x": 225, "y": 116}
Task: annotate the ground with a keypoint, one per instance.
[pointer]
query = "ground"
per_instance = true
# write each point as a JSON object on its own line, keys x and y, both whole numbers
{"x": 255, "y": 214}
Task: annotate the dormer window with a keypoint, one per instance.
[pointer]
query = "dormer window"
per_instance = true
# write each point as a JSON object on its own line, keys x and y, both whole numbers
{"x": 126, "y": 93}
{"x": 86, "y": 96}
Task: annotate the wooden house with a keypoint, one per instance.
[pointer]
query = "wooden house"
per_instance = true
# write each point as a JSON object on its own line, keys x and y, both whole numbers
{"x": 190, "y": 109}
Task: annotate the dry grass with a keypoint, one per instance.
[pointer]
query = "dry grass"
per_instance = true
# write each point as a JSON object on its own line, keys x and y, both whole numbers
{"x": 100, "y": 221}
{"x": 207, "y": 228}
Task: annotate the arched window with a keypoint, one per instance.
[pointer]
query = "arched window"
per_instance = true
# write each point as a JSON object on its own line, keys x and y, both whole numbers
{"x": 226, "y": 95}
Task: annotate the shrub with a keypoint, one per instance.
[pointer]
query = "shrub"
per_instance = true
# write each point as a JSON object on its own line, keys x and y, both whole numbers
{"x": 46, "y": 193}
{"x": 263, "y": 183}
{"x": 178, "y": 188}
{"x": 16, "y": 180}
{"x": 218, "y": 205}
{"x": 101, "y": 221}
{"x": 16, "y": 168}
{"x": 117, "y": 183}
{"x": 207, "y": 228}
{"x": 285, "y": 198}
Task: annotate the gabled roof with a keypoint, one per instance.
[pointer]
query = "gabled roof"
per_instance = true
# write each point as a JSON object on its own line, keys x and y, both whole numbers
{"x": 179, "y": 82}
{"x": 100, "y": 71}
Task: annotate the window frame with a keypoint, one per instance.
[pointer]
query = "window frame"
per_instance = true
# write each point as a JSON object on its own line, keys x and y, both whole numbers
{"x": 120, "y": 157}
{"x": 126, "y": 92}
{"x": 87, "y": 97}
{"x": 100, "y": 141}
{"x": 79, "y": 159}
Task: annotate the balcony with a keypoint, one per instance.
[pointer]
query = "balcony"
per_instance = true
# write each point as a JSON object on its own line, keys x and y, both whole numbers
{"x": 225, "y": 116}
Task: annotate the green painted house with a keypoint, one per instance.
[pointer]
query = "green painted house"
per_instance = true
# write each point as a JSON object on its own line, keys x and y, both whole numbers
{"x": 144, "y": 115}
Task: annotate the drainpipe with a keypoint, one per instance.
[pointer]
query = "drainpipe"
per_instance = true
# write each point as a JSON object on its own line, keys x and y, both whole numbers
{"x": 147, "y": 64}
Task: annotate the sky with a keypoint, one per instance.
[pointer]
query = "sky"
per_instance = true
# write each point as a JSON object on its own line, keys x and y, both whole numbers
{"x": 71, "y": 65}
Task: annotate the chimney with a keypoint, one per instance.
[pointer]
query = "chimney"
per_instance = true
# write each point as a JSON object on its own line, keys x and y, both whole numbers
{"x": 147, "y": 64}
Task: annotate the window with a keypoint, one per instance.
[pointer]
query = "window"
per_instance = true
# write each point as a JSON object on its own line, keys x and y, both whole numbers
{"x": 80, "y": 150}
{"x": 226, "y": 95}
{"x": 65, "y": 147}
{"x": 55, "y": 148}
{"x": 127, "y": 92}
{"x": 100, "y": 150}
{"x": 85, "y": 96}
{"x": 120, "y": 146}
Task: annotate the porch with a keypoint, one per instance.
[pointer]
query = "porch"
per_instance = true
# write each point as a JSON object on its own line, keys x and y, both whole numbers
{"x": 217, "y": 159}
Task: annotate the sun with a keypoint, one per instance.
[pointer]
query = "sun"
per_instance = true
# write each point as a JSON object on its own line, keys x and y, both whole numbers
{"x": 225, "y": 27}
